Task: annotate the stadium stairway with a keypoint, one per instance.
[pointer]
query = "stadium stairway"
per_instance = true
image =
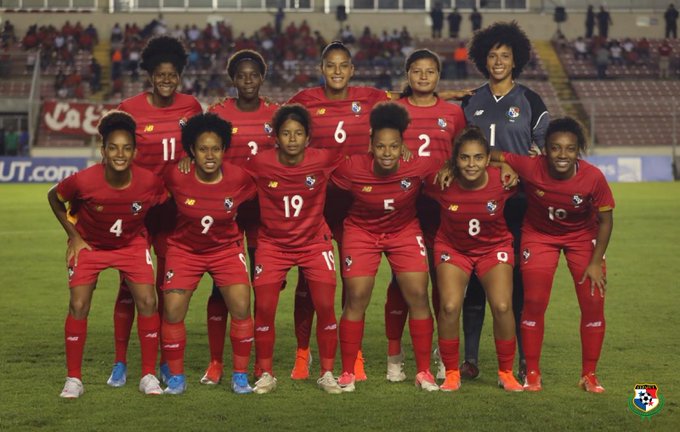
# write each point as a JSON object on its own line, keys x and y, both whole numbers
{"x": 559, "y": 80}
{"x": 102, "y": 52}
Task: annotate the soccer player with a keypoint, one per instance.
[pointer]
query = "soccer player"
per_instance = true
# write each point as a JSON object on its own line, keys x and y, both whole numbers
{"x": 473, "y": 237}
{"x": 434, "y": 125}
{"x": 513, "y": 118}
{"x": 160, "y": 115}
{"x": 382, "y": 219}
{"x": 105, "y": 228}
{"x": 291, "y": 186}
{"x": 207, "y": 239}
{"x": 571, "y": 210}
{"x": 250, "y": 116}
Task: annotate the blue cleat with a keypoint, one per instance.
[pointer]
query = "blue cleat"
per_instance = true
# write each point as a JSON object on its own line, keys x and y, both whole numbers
{"x": 118, "y": 376}
{"x": 239, "y": 383}
{"x": 165, "y": 373}
{"x": 177, "y": 384}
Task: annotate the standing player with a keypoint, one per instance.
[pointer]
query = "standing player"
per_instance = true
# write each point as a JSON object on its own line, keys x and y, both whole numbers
{"x": 473, "y": 236}
{"x": 105, "y": 227}
{"x": 434, "y": 125}
{"x": 513, "y": 118}
{"x": 382, "y": 219}
{"x": 250, "y": 116}
{"x": 571, "y": 210}
{"x": 160, "y": 115}
{"x": 291, "y": 186}
{"x": 207, "y": 239}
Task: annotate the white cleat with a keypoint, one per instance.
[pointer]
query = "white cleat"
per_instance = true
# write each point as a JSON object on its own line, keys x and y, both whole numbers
{"x": 425, "y": 381}
{"x": 395, "y": 368}
{"x": 328, "y": 383}
{"x": 266, "y": 384}
{"x": 73, "y": 388}
{"x": 150, "y": 385}
{"x": 441, "y": 369}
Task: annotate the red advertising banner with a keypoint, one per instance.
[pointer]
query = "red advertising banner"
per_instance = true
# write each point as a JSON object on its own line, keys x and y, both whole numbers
{"x": 73, "y": 118}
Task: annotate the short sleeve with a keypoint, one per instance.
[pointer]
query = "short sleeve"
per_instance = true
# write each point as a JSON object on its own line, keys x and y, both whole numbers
{"x": 67, "y": 189}
{"x": 341, "y": 176}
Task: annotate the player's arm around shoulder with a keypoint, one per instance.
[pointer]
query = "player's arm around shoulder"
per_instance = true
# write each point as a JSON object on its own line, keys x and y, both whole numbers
{"x": 57, "y": 203}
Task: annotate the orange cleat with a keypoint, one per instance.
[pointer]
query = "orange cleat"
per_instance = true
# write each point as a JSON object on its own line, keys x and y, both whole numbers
{"x": 451, "y": 382}
{"x": 532, "y": 382}
{"x": 507, "y": 381}
{"x": 590, "y": 383}
{"x": 213, "y": 375}
{"x": 303, "y": 358}
{"x": 359, "y": 371}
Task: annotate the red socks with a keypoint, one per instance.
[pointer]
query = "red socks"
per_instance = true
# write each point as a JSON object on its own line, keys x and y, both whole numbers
{"x": 147, "y": 330}
{"x": 241, "y": 334}
{"x": 351, "y": 334}
{"x": 266, "y": 301}
{"x": 396, "y": 312}
{"x": 123, "y": 317}
{"x": 449, "y": 350}
{"x": 217, "y": 327}
{"x": 303, "y": 312}
{"x": 421, "y": 337}
{"x": 75, "y": 333}
{"x": 505, "y": 350}
{"x": 174, "y": 342}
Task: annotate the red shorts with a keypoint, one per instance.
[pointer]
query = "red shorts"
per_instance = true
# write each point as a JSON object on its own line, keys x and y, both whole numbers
{"x": 248, "y": 220}
{"x": 362, "y": 251}
{"x": 160, "y": 222}
{"x": 541, "y": 253}
{"x": 133, "y": 261}
{"x": 316, "y": 262}
{"x": 429, "y": 218}
{"x": 184, "y": 270}
{"x": 480, "y": 264}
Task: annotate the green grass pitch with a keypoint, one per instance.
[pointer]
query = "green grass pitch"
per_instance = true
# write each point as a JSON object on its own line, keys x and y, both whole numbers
{"x": 641, "y": 346}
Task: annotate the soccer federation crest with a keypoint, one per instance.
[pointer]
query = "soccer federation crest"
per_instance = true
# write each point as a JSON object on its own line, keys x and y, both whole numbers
{"x": 406, "y": 184}
{"x": 136, "y": 207}
{"x": 310, "y": 181}
{"x": 491, "y": 206}
{"x": 526, "y": 254}
{"x": 356, "y": 107}
{"x": 445, "y": 257}
{"x": 348, "y": 262}
{"x": 512, "y": 113}
{"x": 646, "y": 400}
{"x": 182, "y": 122}
{"x": 577, "y": 200}
{"x": 228, "y": 203}
{"x": 441, "y": 122}
{"x": 169, "y": 275}
{"x": 258, "y": 270}
{"x": 268, "y": 129}
{"x": 71, "y": 272}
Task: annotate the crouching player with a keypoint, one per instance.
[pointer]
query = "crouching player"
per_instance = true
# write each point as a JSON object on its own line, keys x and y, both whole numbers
{"x": 105, "y": 227}
{"x": 207, "y": 239}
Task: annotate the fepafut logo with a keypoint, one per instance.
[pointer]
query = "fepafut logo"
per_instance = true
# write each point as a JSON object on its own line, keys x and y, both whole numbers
{"x": 646, "y": 400}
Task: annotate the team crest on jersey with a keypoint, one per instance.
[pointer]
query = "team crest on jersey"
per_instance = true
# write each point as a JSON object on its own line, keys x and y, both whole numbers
{"x": 169, "y": 275}
{"x": 136, "y": 207}
{"x": 513, "y": 113}
{"x": 406, "y": 184}
{"x": 646, "y": 400}
{"x": 71, "y": 272}
{"x": 258, "y": 270}
{"x": 445, "y": 257}
{"x": 310, "y": 181}
{"x": 268, "y": 129}
{"x": 491, "y": 206}
{"x": 228, "y": 203}
{"x": 182, "y": 122}
{"x": 526, "y": 254}
{"x": 441, "y": 122}
{"x": 348, "y": 262}
{"x": 577, "y": 200}
{"x": 356, "y": 107}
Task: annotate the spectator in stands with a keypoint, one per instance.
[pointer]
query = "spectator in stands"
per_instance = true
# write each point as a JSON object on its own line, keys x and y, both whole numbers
{"x": 95, "y": 76}
{"x": 194, "y": 33}
{"x": 580, "y": 48}
{"x": 24, "y": 149}
{"x": 405, "y": 37}
{"x": 278, "y": 20}
{"x": 2, "y": 140}
{"x": 643, "y": 49}
{"x": 604, "y": 20}
{"x": 116, "y": 63}
{"x": 347, "y": 36}
{"x": 616, "y": 53}
{"x": 11, "y": 142}
{"x": 630, "y": 55}
{"x": 437, "y": 17}
{"x": 460, "y": 56}
{"x": 178, "y": 33}
{"x": 476, "y": 19}
{"x": 8, "y": 33}
{"x": 671, "y": 18}
{"x": 602, "y": 61}
{"x": 454, "y": 20}
{"x": 116, "y": 34}
{"x": 665, "y": 52}
{"x": 590, "y": 22}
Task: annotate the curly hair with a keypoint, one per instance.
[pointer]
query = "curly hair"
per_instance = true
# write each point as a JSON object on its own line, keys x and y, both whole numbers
{"x": 115, "y": 120}
{"x": 163, "y": 49}
{"x": 569, "y": 125}
{"x": 499, "y": 34}
{"x": 389, "y": 115}
{"x": 416, "y": 55}
{"x": 294, "y": 112}
{"x": 201, "y": 123}
{"x": 243, "y": 55}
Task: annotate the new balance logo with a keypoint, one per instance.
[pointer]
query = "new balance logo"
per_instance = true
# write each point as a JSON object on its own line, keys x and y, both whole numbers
{"x": 478, "y": 113}
{"x": 126, "y": 301}
{"x": 331, "y": 327}
{"x": 215, "y": 318}
{"x": 262, "y": 329}
{"x": 529, "y": 323}
{"x": 248, "y": 340}
{"x": 72, "y": 338}
{"x": 594, "y": 324}
{"x": 171, "y": 346}
{"x": 396, "y": 312}
{"x": 151, "y": 335}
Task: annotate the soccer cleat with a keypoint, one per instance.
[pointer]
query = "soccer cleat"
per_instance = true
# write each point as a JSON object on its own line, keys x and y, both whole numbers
{"x": 395, "y": 368}
{"x": 177, "y": 384}
{"x": 164, "y": 371}
{"x": 266, "y": 384}
{"x": 346, "y": 382}
{"x": 118, "y": 376}
{"x": 451, "y": 381}
{"x": 425, "y": 381}
{"x": 328, "y": 383}
{"x": 590, "y": 383}
{"x": 532, "y": 382}
{"x": 469, "y": 370}
{"x": 522, "y": 370}
{"x": 303, "y": 359}
{"x": 359, "y": 371}
{"x": 73, "y": 388}
{"x": 240, "y": 384}
{"x": 507, "y": 381}
{"x": 150, "y": 385}
{"x": 213, "y": 375}
{"x": 441, "y": 369}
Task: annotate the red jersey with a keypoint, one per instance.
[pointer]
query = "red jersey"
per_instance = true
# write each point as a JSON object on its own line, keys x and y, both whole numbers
{"x": 206, "y": 213}
{"x": 159, "y": 130}
{"x": 433, "y": 128}
{"x": 251, "y": 132}
{"x": 561, "y": 207}
{"x": 109, "y": 218}
{"x": 341, "y": 125}
{"x": 472, "y": 220}
{"x": 382, "y": 204}
{"x": 292, "y": 198}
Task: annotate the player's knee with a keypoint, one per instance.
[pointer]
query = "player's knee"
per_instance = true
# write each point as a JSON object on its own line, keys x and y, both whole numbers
{"x": 501, "y": 308}
{"x": 78, "y": 308}
{"x": 449, "y": 310}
